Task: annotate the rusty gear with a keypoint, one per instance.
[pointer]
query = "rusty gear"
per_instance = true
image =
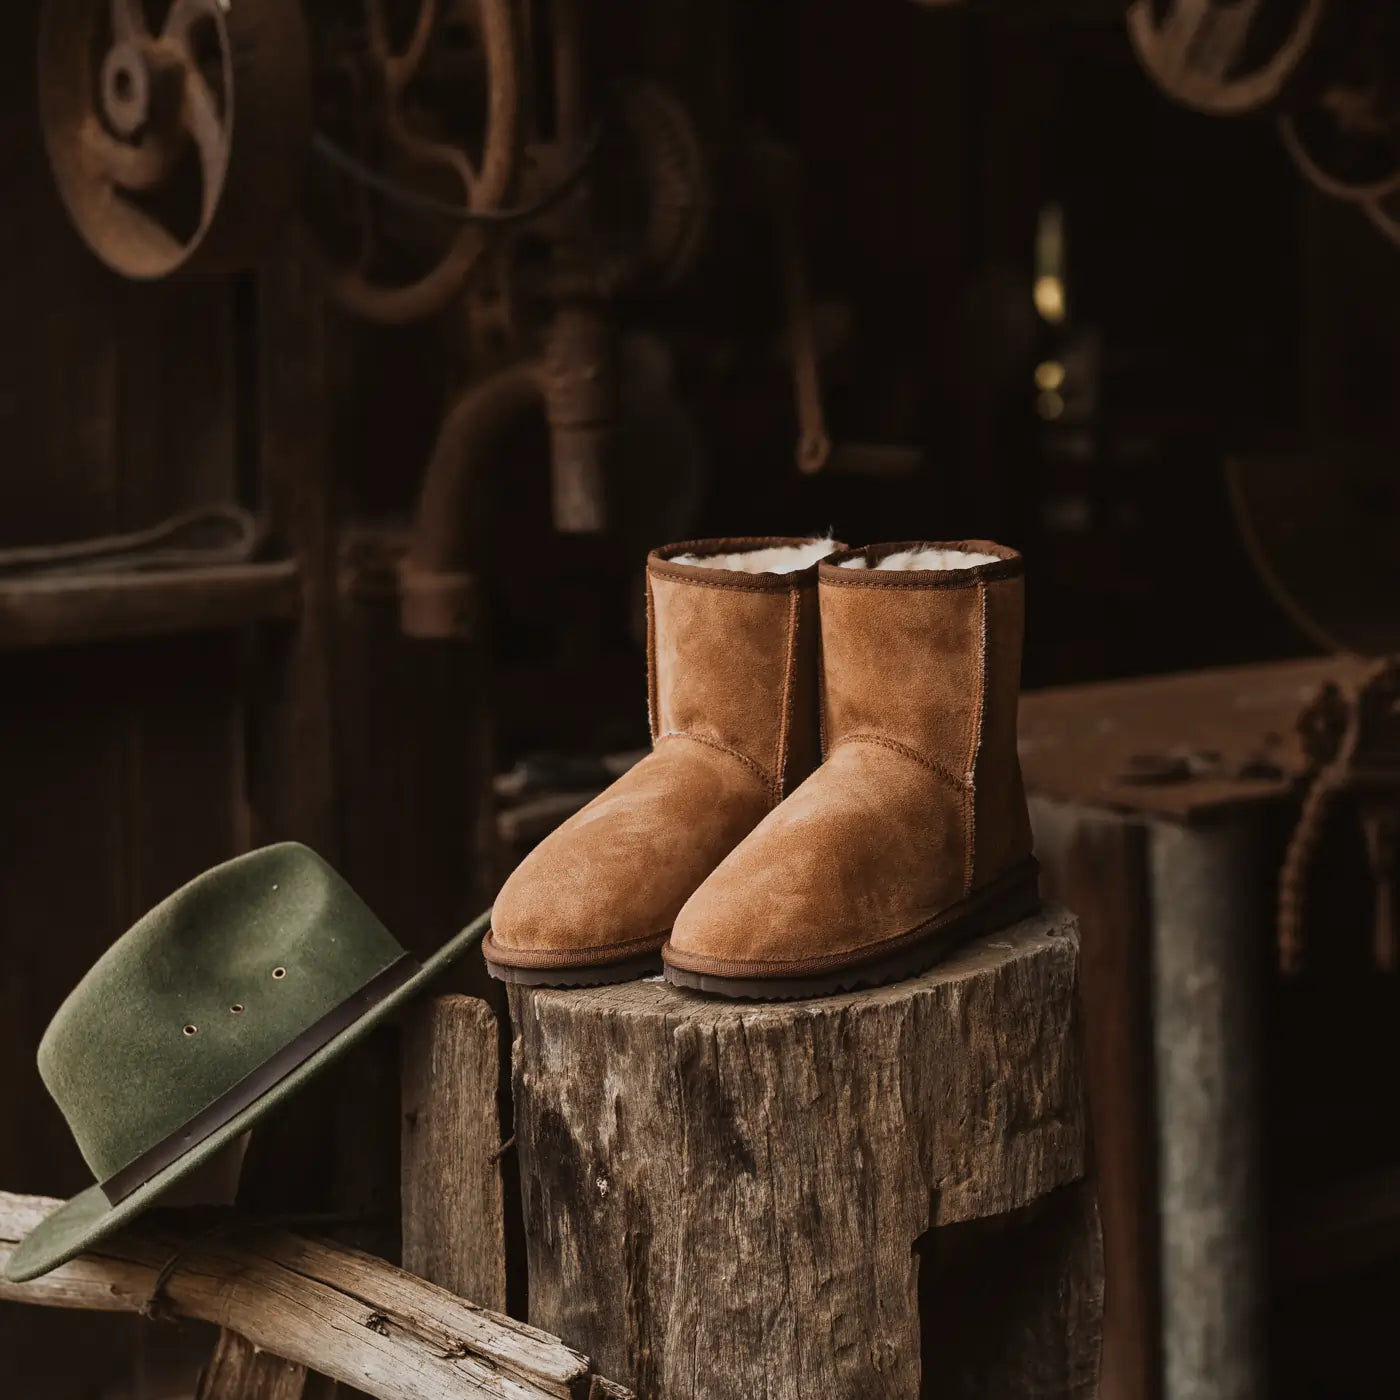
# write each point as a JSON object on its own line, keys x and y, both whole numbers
{"x": 1226, "y": 57}
{"x": 674, "y": 168}
{"x": 382, "y": 77}
{"x": 176, "y": 147}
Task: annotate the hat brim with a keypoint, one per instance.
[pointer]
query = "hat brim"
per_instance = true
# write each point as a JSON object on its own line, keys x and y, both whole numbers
{"x": 90, "y": 1217}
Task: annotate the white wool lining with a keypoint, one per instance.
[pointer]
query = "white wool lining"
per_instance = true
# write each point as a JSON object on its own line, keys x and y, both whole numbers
{"x": 941, "y": 560}
{"x": 780, "y": 559}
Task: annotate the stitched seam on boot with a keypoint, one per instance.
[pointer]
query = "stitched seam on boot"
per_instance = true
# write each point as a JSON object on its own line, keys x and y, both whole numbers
{"x": 720, "y": 747}
{"x": 780, "y": 756}
{"x": 970, "y": 825}
{"x": 915, "y": 578}
{"x": 937, "y": 769}
{"x": 733, "y": 587}
{"x": 653, "y": 683}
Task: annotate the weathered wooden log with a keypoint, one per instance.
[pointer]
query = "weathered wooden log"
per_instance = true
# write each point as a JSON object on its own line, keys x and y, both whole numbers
{"x": 738, "y": 1199}
{"x": 452, "y": 1193}
{"x": 344, "y": 1314}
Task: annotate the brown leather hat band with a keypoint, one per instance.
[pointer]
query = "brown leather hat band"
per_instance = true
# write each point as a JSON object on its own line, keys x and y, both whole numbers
{"x": 255, "y": 1084}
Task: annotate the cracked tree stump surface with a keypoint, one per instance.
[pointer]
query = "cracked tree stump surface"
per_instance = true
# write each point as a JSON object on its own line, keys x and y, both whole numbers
{"x": 869, "y": 1195}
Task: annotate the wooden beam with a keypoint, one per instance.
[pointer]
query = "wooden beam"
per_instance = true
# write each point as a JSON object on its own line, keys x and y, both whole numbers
{"x": 349, "y": 1316}
{"x": 64, "y": 609}
{"x": 1209, "y": 1051}
{"x": 1096, "y": 864}
{"x": 452, "y": 1193}
{"x": 239, "y": 1371}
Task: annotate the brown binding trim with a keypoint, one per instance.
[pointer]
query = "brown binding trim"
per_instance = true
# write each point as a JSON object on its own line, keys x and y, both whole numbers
{"x": 257, "y": 1082}
{"x": 660, "y": 565}
{"x": 1009, "y": 564}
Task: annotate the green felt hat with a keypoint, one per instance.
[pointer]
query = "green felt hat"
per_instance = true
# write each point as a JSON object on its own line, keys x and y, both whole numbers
{"x": 203, "y": 1017}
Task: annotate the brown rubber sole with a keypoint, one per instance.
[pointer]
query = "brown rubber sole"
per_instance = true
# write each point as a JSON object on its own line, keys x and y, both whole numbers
{"x": 601, "y": 975}
{"x": 1014, "y": 897}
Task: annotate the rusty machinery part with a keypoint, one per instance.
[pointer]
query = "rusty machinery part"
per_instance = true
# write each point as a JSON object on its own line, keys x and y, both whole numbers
{"x": 580, "y": 402}
{"x": 176, "y": 131}
{"x": 1352, "y": 736}
{"x": 778, "y": 170}
{"x": 575, "y": 383}
{"x": 1344, "y": 135}
{"x": 1320, "y": 529}
{"x": 1384, "y": 213}
{"x": 645, "y": 221}
{"x": 415, "y": 200}
{"x": 378, "y": 132}
{"x": 648, "y": 203}
{"x": 204, "y": 537}
{"x": 1226, "y": 57}
{"x": 675, "y": 175}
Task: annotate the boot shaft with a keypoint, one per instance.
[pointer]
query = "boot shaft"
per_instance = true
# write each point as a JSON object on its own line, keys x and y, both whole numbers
{"x": 732, "y": 651}
{"x": 925, "y": 658}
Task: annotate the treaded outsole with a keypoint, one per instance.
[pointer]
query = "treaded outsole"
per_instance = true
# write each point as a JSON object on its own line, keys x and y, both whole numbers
{"x": 648, "y": 965}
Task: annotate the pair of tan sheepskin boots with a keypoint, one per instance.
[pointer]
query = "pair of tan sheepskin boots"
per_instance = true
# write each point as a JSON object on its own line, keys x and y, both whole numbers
{"x": 833, "y": 798}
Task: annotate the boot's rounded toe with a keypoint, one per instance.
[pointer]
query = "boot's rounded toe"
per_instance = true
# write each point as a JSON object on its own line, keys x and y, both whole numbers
{"x": 564, "y": 905}
{"x": 606, "y": 886}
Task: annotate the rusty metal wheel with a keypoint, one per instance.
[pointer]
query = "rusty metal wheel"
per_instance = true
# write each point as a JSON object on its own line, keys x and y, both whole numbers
{"x": 176, "y": 129}
{"x": 1345, "y": 138}
{"x": 383, "y": 78}
{"x": 1342, "y": 152}
{"x": 1384, "y": 213}
{"x": 1225, "y": 57}
{"x": 675, "y": 175}
{"x": 1320, "y": 529}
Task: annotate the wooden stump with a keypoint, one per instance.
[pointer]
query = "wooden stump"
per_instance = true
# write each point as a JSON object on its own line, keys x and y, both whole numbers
{"x": 864, "y": 1196}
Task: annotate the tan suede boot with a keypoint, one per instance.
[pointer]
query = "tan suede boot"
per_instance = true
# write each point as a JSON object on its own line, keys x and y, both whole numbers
{"x": 732, "y": 656}
{"x": 913, "y": 834}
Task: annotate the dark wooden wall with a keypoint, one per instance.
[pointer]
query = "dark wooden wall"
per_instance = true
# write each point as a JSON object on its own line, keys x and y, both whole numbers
{"x": 119, "y": 764}
{"x": 128, "y": 767}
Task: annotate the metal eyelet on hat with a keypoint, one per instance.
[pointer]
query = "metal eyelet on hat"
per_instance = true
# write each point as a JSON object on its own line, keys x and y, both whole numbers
{"x": 279, "y": 973}
{"x": 191, "y": 1029}
{"x": 237, "y": 1008}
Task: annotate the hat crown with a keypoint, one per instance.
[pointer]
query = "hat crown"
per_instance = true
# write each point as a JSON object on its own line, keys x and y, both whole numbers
{"x": 202, "y": 991}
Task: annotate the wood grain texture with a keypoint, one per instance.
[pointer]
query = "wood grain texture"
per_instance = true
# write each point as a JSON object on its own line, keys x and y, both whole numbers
{"x": 62, "y": 610}
{"x": 1208, "y": 967}
{"x": 453, "y": 1204}
{"x": 239, "y": 1371}
{"x": 724, "y": 1199}
{"x": 336, "y": 1311}
{"x": 1096, "y": 862}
